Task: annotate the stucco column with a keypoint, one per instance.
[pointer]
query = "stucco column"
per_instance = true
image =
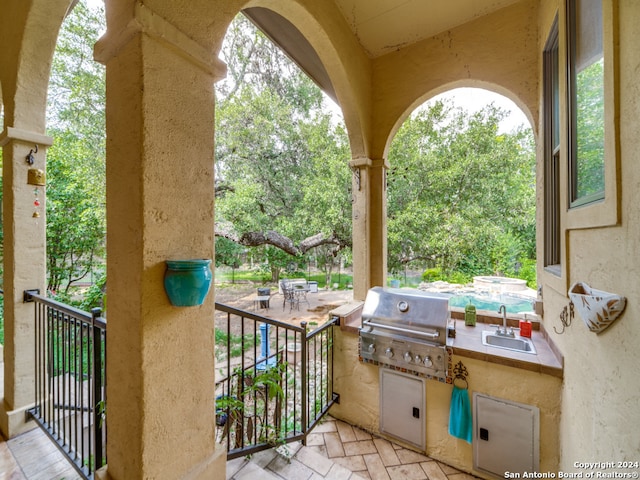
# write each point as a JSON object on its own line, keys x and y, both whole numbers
{"x": 24, "y": 269}
{"x": 369, "y": 224}
{"x": 160, "y": 194}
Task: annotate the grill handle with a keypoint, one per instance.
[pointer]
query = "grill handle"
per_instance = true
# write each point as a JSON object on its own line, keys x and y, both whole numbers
{"x": 403, "y": 330}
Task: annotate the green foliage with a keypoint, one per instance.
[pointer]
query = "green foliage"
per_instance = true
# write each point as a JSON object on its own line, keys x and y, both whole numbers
{"x": 95, "y": 295}
{"x": 281, "y": 161}
{"x": 590, "y": 130}
{"x": 432, "y": 274}
{"x": 228, "y": 253}
{"x": 457, "y": 277}
{"x": 237, "y": 343}
{"x": 277, "y": 261}
{"x": 528, "y": 272}
{"x": 76, "y": 219}
{"x": 251, "y": 405}
{"x": 461, "y": 195}
{"x": 258, "y": 276}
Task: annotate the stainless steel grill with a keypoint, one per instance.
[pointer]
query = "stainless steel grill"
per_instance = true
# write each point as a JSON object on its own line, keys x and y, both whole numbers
{"x": 406, "y": 329}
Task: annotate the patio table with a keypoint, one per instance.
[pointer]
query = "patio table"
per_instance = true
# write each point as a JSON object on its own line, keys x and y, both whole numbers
{"x": 300, "y": 291}
{"x": 261, "y": 300}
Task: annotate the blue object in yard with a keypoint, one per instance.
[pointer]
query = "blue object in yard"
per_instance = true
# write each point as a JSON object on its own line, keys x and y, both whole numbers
{"x": 266, "y": 360}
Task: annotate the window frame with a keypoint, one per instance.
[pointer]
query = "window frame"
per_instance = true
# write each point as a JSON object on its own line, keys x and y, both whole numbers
{"x": 601, "y": 210}
{"x": 552, "y": 135}
{"x": 572, "y": 105}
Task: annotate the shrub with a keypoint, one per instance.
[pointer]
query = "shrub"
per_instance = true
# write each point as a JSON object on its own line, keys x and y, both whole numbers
{"x": 458, "y": 277}
{"x": 432, "y": 274}
{"x": 528, "y": 272}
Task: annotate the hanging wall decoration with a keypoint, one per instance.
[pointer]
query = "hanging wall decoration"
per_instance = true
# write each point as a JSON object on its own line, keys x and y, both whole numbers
{"x": 36, "y": 177}
{"x": 597, "y": 308}
{"x": 36, "y": 203}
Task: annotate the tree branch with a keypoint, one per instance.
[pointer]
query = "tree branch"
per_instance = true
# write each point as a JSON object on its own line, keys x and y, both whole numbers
{"x": 255, "y": 239}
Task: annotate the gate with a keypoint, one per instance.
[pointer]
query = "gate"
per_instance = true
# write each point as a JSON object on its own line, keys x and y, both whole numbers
{"x": 276, "y": 380}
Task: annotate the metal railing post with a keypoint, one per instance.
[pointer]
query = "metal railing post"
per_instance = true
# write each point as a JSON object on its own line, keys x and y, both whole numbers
{"x": 69, "y": 358}
{"x": 98, "y": 405}
{"x": 305, "y": 383}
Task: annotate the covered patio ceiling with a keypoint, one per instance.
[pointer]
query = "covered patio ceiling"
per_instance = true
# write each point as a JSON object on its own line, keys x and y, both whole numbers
{"x": 380, "y": 26}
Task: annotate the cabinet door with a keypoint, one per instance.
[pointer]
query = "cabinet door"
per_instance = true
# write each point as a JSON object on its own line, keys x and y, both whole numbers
{"x": 505, "y": 436}
{"x": 402, "y": 406}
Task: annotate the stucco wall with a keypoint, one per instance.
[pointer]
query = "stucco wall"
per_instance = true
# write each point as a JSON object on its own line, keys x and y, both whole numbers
{"x": 600, "y": 415}
{"x": 359, "y": 389}
{"x": 601, "y": 390}
{"x": 474, "y": 54}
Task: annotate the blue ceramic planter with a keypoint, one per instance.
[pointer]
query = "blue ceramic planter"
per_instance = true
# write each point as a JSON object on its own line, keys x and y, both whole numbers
{"x": 187, "y": 282}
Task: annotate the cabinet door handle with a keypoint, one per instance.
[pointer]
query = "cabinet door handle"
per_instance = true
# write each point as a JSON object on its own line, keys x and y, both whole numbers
{"x": 416, "y": 412}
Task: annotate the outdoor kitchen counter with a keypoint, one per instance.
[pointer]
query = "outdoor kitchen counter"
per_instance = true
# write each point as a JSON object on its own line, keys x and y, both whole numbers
{"x": 468, "y": 343}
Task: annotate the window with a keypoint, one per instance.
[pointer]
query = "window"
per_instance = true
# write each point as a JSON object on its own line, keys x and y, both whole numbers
{"x": 586, "y": 103}
{"x": 551, "y": 94}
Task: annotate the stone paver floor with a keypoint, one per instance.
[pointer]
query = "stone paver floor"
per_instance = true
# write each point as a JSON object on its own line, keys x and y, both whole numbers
{"x": 338, "y": 451}
{"x": 335, "y": 450}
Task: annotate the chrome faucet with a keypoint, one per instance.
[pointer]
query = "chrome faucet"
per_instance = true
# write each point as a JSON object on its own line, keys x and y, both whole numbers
{"x": 503, "y": 332}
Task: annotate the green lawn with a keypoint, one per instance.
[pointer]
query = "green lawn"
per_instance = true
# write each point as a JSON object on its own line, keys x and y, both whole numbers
{"x": 250, "y": 276}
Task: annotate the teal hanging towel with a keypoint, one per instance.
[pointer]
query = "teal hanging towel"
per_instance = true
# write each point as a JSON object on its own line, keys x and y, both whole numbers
{"x": 460, "y": 422}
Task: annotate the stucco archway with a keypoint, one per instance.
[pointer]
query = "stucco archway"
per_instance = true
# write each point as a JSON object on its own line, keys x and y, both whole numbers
{"x": 28, "y": 35}
{"x": 497, "y": 89}
{"x": 343, "y": 60}
{"x": 349, "y": 70}
{"x": 404, "y": 78}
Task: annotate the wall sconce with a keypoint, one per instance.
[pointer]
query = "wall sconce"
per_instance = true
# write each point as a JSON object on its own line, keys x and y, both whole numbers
{"x": 187, "y": 282}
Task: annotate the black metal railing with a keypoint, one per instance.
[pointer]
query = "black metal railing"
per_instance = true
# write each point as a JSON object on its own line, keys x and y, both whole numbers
{"x": 70, "y": 381}
{"x": 275, "y": 380}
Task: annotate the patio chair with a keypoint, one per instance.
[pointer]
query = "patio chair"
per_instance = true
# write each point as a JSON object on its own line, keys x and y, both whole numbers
{"x": 301, "y": 291}
{"x": 290, "y": 297}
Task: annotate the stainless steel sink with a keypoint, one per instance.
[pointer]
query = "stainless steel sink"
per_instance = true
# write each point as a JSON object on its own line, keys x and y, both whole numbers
{"x": 515, "y": 344}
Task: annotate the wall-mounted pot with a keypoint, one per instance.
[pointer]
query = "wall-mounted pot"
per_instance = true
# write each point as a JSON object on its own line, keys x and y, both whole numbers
{"x": 187, "y": 282}
{"x": 597, "y": 308}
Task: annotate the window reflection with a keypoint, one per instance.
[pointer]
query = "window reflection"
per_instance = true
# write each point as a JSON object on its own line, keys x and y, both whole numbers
{"x": 587, "y": 101}
{"x": 590, "y": 130}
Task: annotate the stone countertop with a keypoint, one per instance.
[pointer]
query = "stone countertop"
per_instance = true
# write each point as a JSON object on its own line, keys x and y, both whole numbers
{"x": 468, "y": 343}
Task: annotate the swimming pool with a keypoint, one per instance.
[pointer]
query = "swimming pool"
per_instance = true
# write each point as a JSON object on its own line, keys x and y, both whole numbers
{"x": 514, "y": 303}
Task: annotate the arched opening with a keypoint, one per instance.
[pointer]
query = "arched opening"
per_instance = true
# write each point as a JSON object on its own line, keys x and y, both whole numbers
{"x": 281, "y": 167}
{"x": 283, "y": 227}
{"x": 76, "y": 163}
{"x": 461, "y": 192}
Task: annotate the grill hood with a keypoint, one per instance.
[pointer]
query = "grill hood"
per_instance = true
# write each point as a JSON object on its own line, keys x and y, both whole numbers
{"x": 406, "y": 307}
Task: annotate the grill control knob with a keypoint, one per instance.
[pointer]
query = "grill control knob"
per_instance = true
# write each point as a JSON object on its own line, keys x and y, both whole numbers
{"x": 371, "y": 348}
{"x": 407, "y": 357}
{"x": 388, "y": 353}
{"x": 418, "y": 359}
{"x": 428, "y": 362}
